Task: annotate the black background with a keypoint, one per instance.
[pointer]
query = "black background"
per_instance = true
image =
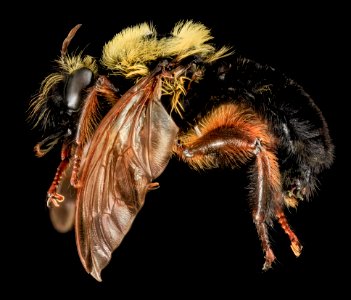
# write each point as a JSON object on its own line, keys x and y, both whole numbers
{"x": 194, "y": 235}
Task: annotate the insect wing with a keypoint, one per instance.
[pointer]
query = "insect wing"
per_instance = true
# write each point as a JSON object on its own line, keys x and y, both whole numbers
{"x": 131, "y": 147}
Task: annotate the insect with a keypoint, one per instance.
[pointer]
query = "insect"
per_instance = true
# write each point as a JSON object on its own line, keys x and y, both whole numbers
{"x": 185, "y": 98}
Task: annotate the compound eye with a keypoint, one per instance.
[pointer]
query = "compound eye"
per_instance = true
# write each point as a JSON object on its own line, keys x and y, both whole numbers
{"x": 77, "y": 81}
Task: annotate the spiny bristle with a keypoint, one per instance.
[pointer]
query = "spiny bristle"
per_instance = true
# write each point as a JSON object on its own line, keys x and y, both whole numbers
{"x": 129, "y": 50}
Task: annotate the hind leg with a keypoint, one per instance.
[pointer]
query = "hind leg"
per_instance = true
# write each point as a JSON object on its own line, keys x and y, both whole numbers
{"x": 233, "y": 135}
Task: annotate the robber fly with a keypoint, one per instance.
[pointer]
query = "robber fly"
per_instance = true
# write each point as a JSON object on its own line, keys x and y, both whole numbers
{"x": 208, "y": 106}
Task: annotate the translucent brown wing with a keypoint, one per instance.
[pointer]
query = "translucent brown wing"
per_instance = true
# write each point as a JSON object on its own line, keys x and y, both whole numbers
{"x": 131, "y": 147}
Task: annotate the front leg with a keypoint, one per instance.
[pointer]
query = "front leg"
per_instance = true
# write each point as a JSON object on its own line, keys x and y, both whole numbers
{"x": 89, "y": 120}
{"x": 53, "y": 196}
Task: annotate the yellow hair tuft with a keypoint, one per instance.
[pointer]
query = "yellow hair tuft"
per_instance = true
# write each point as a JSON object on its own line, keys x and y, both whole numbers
{"x": 191, "y": 38}
{"x": 129, "y": 51}
{"x": 69, "y": 63}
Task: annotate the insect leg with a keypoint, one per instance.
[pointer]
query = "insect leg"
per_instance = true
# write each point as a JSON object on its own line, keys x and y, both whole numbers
{"x": 296, "y": 246}
{"x": 268, "y": 200}
{"x": 54, "y": 197}
{"x": 265, "y": 195}
{"x": 90, "y": 118}
{"x": 233, "y": 135}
